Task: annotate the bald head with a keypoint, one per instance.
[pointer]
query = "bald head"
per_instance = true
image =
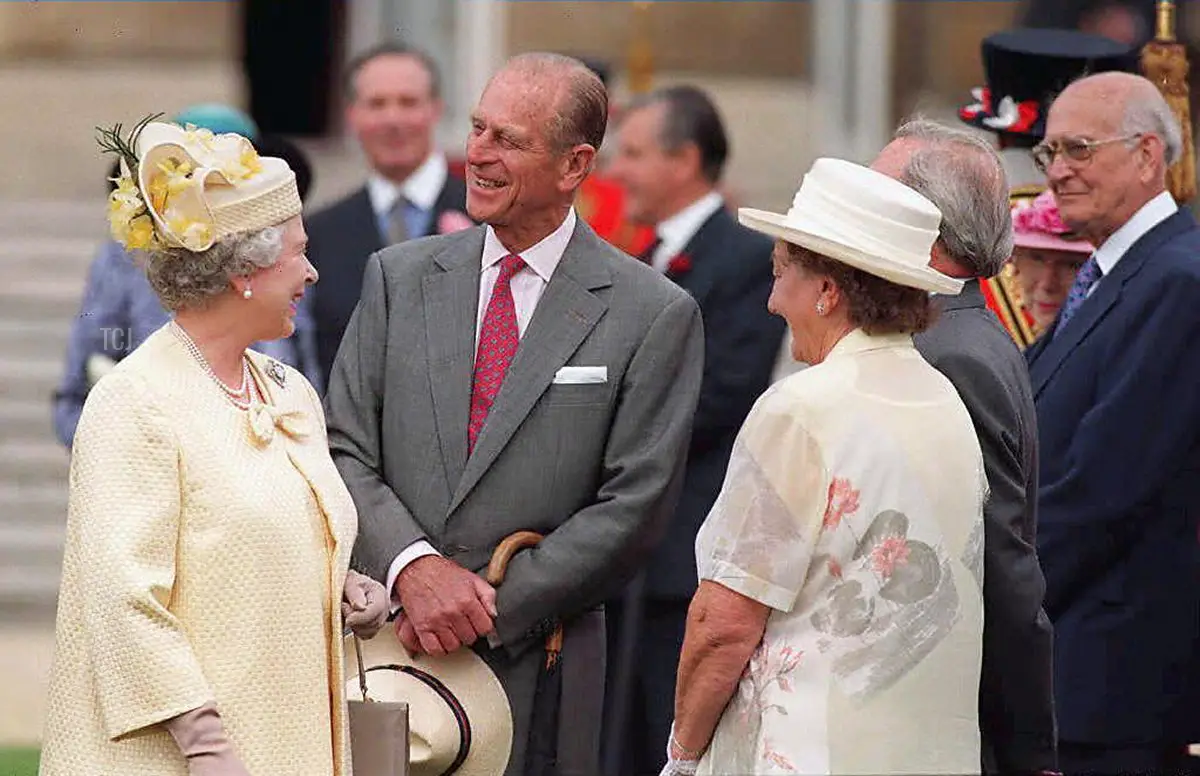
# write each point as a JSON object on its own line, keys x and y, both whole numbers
{"x": 1112, "y": 137}
{"x": 573, "y": 96}
{"x": 1122, "y": 104}
{"x": 961, "y": 174}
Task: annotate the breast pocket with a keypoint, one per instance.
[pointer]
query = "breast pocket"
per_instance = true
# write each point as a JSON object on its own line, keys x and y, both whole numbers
{"x": 580, "y": 394}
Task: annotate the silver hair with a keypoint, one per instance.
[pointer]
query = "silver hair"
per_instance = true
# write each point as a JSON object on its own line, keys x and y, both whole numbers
{"x": 1147, "y": 113}
{"x": 963, "y": 176}
{"x": 186, "y": 279}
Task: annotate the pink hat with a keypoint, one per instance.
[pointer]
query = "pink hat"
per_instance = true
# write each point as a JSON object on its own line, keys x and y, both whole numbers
{"x": 1038, "y": 225}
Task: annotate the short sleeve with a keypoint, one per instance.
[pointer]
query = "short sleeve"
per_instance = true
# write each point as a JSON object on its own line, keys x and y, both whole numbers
{"x": 758, "y": 539}
{"x": 123, "y": 526}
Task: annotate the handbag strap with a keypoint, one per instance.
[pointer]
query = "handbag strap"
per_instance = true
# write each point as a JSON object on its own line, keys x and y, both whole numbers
{"x": 362, "y": 675}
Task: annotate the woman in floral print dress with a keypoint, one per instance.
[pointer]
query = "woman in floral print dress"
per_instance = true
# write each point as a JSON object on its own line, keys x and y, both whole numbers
{"x": 838, "y": 623}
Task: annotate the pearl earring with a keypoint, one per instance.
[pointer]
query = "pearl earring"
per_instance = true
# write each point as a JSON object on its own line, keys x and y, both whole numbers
{"x": 247, "y": 293}
{"x": 820, "y": 308}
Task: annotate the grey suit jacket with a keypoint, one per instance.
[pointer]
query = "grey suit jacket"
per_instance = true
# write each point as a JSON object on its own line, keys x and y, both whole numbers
{"x": 1016, "y": 701}
{"x": 595, "y": 467}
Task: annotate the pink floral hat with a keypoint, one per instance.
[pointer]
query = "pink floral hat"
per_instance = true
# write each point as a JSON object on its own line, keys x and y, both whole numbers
{"x": 1038, "y": 225}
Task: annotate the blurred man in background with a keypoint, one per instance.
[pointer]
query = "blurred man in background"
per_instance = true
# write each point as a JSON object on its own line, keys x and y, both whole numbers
{"x": 671, "y": 151}
{"x": 394, "y": 103}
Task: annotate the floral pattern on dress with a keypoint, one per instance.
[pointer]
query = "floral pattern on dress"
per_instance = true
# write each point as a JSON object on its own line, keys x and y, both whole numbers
{"x": 882, "y": 613}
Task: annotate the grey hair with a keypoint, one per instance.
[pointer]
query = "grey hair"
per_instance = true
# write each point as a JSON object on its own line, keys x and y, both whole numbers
{"x": 963, "y": 176}
{"x": 186, "y": 279}
{"x": 1147, "y": 113}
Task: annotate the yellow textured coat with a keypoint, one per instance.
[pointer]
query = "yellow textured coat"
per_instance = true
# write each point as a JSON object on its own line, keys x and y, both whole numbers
{"x": 205, "y": 555}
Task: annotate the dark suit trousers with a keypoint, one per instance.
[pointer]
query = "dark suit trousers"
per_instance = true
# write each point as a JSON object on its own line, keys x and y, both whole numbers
{"x": 1085, "y": 759}
{"x": 650, "y": 692}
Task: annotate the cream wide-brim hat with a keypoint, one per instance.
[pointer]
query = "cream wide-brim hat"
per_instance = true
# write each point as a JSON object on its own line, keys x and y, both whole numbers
{"x": 862, "y": 218}
{"x": 455, "y": 705}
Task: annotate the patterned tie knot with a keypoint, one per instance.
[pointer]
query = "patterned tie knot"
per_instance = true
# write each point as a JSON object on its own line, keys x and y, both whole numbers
{"x": 509, "y": 266}
{"x": 1087, "y": 276}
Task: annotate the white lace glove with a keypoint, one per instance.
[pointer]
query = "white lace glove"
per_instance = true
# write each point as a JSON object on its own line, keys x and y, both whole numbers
{"x": 201, "y": 738}
{"x": 677, "y": 765}
{"x": 680, "y": 768}
{"x": 364, "y": 605}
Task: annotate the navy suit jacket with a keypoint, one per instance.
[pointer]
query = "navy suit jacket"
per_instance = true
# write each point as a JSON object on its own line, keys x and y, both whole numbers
{"x": 729, "y": 274}
{"x": 340, "y": 238}
{"x": 1118, "y": 403}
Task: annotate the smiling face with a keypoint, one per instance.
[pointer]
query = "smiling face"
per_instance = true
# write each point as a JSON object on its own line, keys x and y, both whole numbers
{"x": 278, "y": 289}
{"x": 518, "y": 180}
{"x": 394, "y": 113}
{"x": 1119, "y": 172}
{"x": 807, "y": 300}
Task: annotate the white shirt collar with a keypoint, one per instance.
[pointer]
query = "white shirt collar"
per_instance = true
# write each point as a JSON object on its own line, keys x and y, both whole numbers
{"x": 421, "y": 188}
{"x": 1146, "y": 218}
{"x": 677, "y": 231}
{"x": 543, "y": 257}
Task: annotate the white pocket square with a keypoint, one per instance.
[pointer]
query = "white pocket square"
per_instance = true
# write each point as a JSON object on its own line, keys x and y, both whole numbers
{"x": 578, "y": 375}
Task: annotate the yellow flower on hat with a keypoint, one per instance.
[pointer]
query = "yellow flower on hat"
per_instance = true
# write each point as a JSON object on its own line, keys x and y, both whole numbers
{"x": 140, "y": 234}
{"x": 193, "y": 234}
{"x": 172, "y": 178}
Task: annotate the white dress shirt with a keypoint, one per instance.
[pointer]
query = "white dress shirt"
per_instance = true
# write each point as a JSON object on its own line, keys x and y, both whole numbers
{"x": 422, "y": 188}
{"x": 527, "y": 287}
{"x": 1118, "y": 244}
{"x": 678, "y": 230}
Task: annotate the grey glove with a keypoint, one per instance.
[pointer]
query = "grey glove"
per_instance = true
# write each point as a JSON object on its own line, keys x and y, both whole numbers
{"x": 364, "y": 605}
{"x": 201, "y": 738}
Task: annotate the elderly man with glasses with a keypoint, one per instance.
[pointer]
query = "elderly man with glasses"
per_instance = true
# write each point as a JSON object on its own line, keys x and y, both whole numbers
{"x": 1116, "y": 382}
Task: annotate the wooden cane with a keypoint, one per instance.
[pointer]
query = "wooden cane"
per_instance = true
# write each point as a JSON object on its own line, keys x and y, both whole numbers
{"x": 496, "y": 569}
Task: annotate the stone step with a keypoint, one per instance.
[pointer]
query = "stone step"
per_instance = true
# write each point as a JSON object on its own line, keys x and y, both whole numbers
{"x": 34, "y": 338}
{"x": 41, "y": 298}
{"x": 40, "y": 256}
{"x": 30, "y": 379}
{"x": 33, "y": 462}
{"x": 37, "y": 585}
{"x": 31, "y": 546}
{"x": 33, "y": 505}
{"x": 77, "y": 218}
{"x": 26, "y": 419}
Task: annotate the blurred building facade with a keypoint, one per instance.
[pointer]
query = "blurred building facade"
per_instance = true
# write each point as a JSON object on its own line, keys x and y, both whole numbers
{"x": 763, "y": 55}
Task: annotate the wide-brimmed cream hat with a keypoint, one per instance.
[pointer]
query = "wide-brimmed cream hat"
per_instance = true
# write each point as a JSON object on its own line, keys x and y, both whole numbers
{"x": 458, "y": 713}
{"x": 863, "y": 218}
{"x": 186, "y": 187}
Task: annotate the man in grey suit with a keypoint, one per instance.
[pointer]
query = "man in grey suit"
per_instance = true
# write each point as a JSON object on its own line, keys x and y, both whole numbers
{"x": 520, "y": 375}
{"x": 963, "y": 176}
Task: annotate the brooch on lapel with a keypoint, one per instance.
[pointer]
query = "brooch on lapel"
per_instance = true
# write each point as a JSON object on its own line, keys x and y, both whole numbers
{"x": 276, "y": 373}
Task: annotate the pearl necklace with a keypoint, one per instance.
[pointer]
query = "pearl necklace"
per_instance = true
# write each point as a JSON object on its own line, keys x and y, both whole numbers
{"x": 241, "y": 397}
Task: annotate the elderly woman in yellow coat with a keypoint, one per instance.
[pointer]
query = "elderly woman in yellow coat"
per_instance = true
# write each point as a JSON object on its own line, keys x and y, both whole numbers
{"x": 838, "y": 624}
{"x": 205, "y": 578}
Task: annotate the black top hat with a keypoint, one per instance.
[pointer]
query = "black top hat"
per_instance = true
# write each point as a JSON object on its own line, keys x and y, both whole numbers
{"x": 1027, "y": 68}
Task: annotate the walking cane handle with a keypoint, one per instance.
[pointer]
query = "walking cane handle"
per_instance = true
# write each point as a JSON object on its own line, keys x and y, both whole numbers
{"x": 496, "y": 569}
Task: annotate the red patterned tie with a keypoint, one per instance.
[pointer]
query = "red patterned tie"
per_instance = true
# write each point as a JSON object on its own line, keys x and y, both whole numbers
{"x": 498, "y": 340}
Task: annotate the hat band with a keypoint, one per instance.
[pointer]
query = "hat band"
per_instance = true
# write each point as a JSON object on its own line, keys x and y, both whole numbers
{"x": 456, "y": 708}
{"x": 269, "y": 208}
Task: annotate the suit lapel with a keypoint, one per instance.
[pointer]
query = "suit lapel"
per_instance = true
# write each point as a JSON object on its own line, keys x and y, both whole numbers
{"x": 565, "y": 315}
{"x": 1046, "y": 360}
{"x": 451, "y": 305}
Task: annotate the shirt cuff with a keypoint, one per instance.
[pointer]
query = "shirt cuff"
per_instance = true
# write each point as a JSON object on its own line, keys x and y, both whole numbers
{"x": 418, "y": 549}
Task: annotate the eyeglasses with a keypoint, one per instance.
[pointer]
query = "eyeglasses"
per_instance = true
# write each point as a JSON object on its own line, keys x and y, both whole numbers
{"x": 1073, "y": 149}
